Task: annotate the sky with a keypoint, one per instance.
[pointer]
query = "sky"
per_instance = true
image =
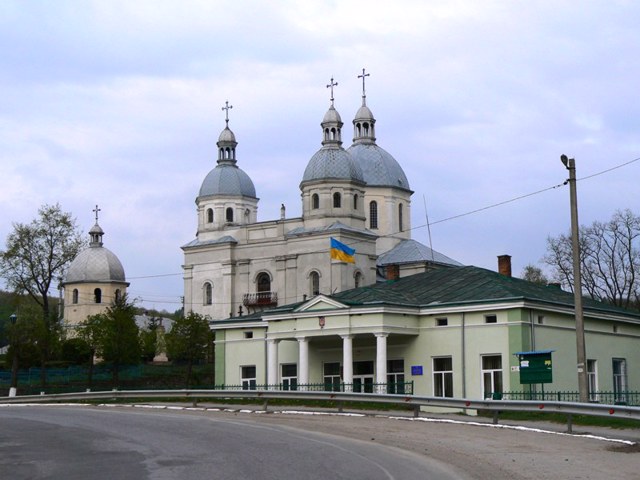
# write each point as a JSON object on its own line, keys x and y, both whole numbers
{"x": 119, "y": 104}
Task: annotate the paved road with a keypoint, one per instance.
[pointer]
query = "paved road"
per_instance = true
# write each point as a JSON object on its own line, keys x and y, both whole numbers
{"x": 55, "y": 442}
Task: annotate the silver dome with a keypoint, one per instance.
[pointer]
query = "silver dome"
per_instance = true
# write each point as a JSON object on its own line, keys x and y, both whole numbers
{"x": 95, "y": 264}
{"x": 227, "y": 136}
{"x": 332, "y": 163}
{"x": 227, "y": 179}
{"x": 378, "y": 166}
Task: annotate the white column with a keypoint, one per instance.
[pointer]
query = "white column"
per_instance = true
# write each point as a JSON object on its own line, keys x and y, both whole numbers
{"x": 303, "y": 362}
{"x": 347, "y": 361}
{"x": 381, "y": 361}
{"x": 272, "y": 363}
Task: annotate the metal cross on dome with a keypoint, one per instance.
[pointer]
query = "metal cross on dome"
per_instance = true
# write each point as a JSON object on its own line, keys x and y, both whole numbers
{"x": 363, "y": 76}
{"x": 331, "y": 85}
{"x": 96, "y": 210}
{"x": 226, "y": 108}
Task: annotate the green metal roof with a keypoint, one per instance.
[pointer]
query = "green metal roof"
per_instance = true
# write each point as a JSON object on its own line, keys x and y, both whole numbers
{"x": 457, "y": 286}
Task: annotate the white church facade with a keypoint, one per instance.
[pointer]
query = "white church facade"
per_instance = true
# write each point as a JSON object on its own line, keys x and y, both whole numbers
{"x": 360, "y": 196}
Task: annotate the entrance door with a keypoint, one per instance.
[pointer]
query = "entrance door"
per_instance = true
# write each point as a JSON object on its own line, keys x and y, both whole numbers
{"x": 363, "y": 376}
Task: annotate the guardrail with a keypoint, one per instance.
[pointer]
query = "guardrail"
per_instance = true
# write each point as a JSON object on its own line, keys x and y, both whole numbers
{"x": 496, "y": 406}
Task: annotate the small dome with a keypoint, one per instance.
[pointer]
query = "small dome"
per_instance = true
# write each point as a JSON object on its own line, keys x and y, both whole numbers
{"x": 378, "y": 166}
{"x": 364, "y": 113}
{"x": 332, "y": 163}
{"x": 332, "y": 116}
{"x": 95, "y": 264}
{"x": 227, "y": 179}
{"x": 227, "y": 136}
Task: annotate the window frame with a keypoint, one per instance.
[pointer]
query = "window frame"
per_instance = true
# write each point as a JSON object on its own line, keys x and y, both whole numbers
{"x": 493, "y": 374}
{"x": 442, "y": 378}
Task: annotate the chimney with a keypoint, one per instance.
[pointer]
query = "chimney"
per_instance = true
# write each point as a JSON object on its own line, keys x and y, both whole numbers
{"x": 392, "y": 272}
{"x": 504, "y": 265}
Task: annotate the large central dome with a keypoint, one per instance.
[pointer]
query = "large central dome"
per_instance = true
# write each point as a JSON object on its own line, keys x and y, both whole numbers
{"x": 378, "y": 167}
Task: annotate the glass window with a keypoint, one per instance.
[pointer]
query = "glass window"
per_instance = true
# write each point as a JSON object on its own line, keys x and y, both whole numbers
{"x": 289, "y": 376}
{"x": 314, "y": 283}
{"x": 442, "y": 377}
{"x": 490, "y": 319}
{"x": 209, "y": 215}
{"x": 400, "y": 224}
{"x": 491, "y": 375}
{"x": 337, "y": 200}
{"x": 592, "y": 376}
{"x": 207, "y": 294}
{"x": 395, "y": 376}
{"x": 315, "y": 201}
{"x": 248, "y": 374}
{"x": 75, "y": 295}
{"x": 97, "y": 295}
{"x": 619, "y": 380}
{"x": 332, "y": 376}
{"x": 442, "y": 322}
{"x": 355, "y": 201}
{"x": 373, "y": 215}
{"x": 264, "y": 282}
{"x": 229, "y": 215}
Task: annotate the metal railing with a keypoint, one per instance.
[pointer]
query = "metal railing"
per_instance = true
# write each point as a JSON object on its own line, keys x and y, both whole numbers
{"x": 416, "y": 402}
{"x": 609, "y": 398}
{"x": 260, "y": 299}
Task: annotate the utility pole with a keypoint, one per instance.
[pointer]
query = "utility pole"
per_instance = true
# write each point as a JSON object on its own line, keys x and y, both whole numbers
{"x": 583, "y": 384}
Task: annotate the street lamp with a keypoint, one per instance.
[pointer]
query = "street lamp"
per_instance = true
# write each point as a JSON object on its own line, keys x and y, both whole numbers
{"x": 14, "y": 366}
{"x": 583, "y": 385}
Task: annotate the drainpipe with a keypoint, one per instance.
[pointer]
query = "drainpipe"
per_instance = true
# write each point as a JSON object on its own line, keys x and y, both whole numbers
{"x": 464, "y": 360}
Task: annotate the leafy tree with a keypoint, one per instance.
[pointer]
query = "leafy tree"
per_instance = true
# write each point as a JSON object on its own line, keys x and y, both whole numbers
{"x": 37, "y": 255}
{"x": 189, "y": 340}
{"x": 90, "y": 331}
{"x": 148, "y": 339}
{"x": 609, "y": 259}
{"x": 534, "y": 274}
{"x": 117, "y": 335}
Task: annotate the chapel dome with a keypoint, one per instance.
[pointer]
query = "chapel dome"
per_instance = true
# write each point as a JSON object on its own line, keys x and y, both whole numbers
{"x": 227, "y": 179}
{"x": 379, "y": 168}
{"x": 95, "y": 263}
{"x": 332, "y": 163}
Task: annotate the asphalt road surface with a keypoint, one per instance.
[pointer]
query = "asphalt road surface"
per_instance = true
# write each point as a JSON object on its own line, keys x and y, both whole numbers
{"x": 57, "y": 442}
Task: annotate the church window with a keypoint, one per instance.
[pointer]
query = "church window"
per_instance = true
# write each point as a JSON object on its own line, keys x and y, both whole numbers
{"x": 400, "y": 226}
{"x": 314, "y": 283}
{"x": 366, "y": 129}
{"x": 75, "y": 295}
{"x": 117, "y": 295}
{"x": 97, "y": 295}
{"x": 373, "y": 215}
{"x": 355, "y": 201}
{"x": 358, "y": 279}
{"x": 264, "y": 282}
{"x": 326, "y": 134}
{"x": 229, "y": 214}
{"x": 207, "y": 294}
{"x": 209, "y": 215}
{"x": 315, "y": 201}
{"x": 337, "y": 200}
{"x": 358, "y": 130}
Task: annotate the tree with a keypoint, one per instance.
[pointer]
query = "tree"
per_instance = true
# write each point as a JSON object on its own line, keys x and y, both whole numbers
{"x": 117, "y": 335}
{"x": 91, "y": 332}
{"x": 534, "y": 274}
{"x": 189, "y": 340}
{"x": 609, "y": 259}
{"x": 37, "y": 255}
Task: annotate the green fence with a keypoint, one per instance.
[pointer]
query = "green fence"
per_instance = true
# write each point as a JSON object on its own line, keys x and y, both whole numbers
{"x": 608, "y": 398}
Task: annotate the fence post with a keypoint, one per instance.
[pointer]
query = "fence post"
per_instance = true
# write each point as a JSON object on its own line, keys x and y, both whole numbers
{"x": 495, "y": 417}
{"x": 416, "y": 411}
{"x": 569, "y": 423}
{"x": 265, "y": 405}
{"x": 194, "y": 404}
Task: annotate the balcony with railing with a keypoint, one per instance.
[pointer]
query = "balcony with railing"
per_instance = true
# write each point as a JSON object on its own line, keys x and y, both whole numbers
{"x": 260, "y": 299}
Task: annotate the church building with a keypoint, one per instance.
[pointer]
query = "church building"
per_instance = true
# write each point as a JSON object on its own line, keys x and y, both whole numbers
{"x": 93, "y": 281}
{"x": 359, "y": 196}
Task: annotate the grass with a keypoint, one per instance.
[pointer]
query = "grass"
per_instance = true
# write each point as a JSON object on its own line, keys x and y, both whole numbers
{"x": 611, "y": 422}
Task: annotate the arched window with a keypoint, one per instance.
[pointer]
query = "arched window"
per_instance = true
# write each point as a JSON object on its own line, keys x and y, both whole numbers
{"x": 209, "y": 215}
{"x": 315, "y": 201}
{"x": 355, "y": 201}
{"x": 337, "y": 200}
{"x": 358, "y": 279}
{"x": 117, "y": 295}
{"x": 75, "y": 295}
{"x": 264, "y": 282}
{"x": 314, "y": 283}
{"x": 97, "y": 295}
{"x": 229, "y": 215}
{"x": 400, "y": 226}
{"x": 207, "y": 294}
{"x": 373, "y": 215}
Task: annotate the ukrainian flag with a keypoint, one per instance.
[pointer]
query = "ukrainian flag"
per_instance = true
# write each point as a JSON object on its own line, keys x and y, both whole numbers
{"x": 341, "y": 252}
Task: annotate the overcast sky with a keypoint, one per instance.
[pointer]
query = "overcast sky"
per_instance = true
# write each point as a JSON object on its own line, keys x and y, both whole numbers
{"x": 118, "y": 103}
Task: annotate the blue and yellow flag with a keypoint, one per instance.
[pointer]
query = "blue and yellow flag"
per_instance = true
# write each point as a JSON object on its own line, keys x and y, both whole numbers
{"x": 341, "y": 252}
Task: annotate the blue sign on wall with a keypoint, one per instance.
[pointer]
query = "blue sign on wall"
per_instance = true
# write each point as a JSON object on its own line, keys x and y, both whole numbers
{"x": 416, "y": 369}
